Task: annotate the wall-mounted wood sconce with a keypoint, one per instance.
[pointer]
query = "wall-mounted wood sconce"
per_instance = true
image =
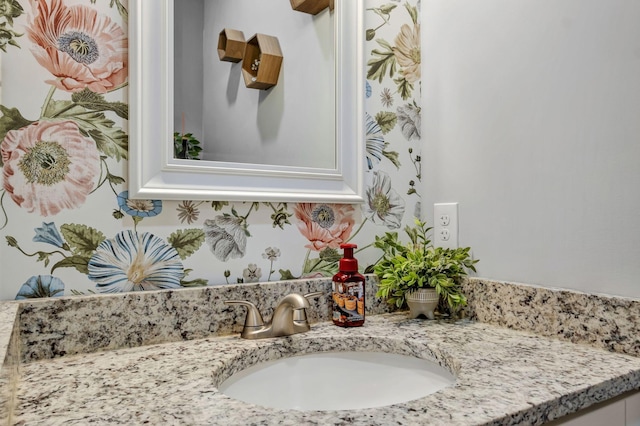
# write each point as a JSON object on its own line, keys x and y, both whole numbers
{"x": 231, "y": 45}
{"x": 262, "y": 62}
{"x": 312, "y": 7}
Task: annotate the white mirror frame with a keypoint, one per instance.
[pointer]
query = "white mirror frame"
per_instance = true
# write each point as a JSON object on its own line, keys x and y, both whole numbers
{"x": 155, "y": 174}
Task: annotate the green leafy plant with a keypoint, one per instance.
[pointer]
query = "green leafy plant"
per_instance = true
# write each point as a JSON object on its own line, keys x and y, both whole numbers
{"x": 186, "y": 146}
{"x": 404, "y": 268}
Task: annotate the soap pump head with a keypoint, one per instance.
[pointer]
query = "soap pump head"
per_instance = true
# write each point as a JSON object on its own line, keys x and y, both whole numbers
{"x": 348, "y": 263}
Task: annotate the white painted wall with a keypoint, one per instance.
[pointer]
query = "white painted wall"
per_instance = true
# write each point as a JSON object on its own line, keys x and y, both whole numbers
{"x": 292, "y": 123}
{"x": 531, "y": 122}
{"x": 188, "y": 68}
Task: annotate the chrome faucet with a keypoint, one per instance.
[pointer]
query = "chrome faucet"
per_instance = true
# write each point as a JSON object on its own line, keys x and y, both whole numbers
{"x": 288, "y": 318}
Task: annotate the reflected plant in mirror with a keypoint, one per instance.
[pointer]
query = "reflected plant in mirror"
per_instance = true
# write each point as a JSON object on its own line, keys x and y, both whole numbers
{"x": 185, "y": 146}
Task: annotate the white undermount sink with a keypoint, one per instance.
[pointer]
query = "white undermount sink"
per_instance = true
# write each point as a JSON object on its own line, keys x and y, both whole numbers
{"x": 337, "y": 381}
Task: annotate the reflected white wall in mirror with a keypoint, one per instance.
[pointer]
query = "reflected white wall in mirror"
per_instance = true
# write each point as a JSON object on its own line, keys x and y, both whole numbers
{"x": 154, "y": 173}
{"x": 237, "y": 124}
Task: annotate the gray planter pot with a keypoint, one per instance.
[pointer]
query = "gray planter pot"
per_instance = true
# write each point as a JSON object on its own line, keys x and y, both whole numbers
{"x": 422, "y": 301}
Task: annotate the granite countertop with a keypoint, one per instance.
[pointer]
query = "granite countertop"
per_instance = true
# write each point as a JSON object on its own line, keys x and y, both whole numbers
{"x": 504, "y": 377}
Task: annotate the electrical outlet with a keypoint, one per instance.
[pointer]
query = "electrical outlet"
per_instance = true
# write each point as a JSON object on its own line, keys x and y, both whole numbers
{"x": 445, "y": 229}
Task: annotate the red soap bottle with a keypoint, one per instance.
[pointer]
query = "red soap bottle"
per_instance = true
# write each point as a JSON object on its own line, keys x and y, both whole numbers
{"x": 348, "y": 291}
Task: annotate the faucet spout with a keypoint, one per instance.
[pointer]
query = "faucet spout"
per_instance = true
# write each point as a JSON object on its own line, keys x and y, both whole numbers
{"x": 288, "y": 318}
{"x": 282, "y": 321}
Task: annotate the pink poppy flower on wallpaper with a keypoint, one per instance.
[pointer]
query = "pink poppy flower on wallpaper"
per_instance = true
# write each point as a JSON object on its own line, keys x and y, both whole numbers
{"x": 49, "y": 166}
{"x": 324, "y": 225}
{"x": 80, "y": 47}
{"x": 407, "y": 52}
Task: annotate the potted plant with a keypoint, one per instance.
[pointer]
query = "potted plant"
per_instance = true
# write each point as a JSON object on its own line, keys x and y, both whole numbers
{"x": 186, "y": 146}
{"x": 408, "y": 271}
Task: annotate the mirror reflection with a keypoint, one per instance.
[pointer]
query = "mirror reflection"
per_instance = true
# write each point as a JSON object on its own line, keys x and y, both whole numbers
{"x": 289, "y": 124}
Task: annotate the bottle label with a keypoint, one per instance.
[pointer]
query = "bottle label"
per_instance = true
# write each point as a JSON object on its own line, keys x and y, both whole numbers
{"x": 348, "y": 302}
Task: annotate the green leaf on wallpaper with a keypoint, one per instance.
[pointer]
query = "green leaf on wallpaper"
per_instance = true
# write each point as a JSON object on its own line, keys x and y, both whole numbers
{"x": 386, "y": 120}
{"x": 115, "y": 180}
{"x": 121, "y": 9}
{"x": 385, "y": 9}
{"x": 82, "y": 239}
{"x": 285, "y": 274}
{"x": 110, "y": 140}
{"x": 392, "y": 156}
{"x": 96, "y": 102}
{"x": 330, "y": 255}
{"x": 370, "y": 34}
{"x": 44, "y": 257}
{"x": 413, "y": 11}
{"x": 198, "y": 282}
{"x": 383, "y": 60}
{"x": 219, "y": 205}
{"x": 7, "y": 36}
{"x": 186, "y": 241}
{"x": 11, "y": 120}
{"x": 325, "y": 268}
{"x": 81, "y": 263}
{"x": 404, "y": 88}
{"x": 10, "y": 9}
{"x": 64, "y": 109}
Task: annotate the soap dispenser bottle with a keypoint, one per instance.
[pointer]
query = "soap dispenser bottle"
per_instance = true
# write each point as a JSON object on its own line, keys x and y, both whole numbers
{"x": 348, "y": 291}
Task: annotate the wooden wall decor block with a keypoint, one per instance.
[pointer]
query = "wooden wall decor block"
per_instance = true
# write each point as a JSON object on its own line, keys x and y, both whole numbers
{"x": 312, "y": 7}
{"x": 231, "y": 45}
{"x": 262, "y": 62}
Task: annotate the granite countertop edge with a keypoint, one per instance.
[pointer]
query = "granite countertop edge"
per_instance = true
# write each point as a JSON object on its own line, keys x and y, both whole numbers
{"x": 503, "y": 377}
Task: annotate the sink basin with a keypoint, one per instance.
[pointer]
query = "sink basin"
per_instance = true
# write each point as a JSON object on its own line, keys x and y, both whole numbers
{"x": 337, "y": 381}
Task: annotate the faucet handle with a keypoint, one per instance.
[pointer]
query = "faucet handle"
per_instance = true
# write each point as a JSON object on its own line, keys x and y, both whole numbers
{"x": 300, "y": 315}
{"x": 314, "y": 294}
{"x": 253, "y": 318}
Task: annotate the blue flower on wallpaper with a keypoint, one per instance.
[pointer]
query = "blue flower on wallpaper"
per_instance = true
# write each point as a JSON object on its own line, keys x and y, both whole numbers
{"x": 41, "y": 286}
{"x": 383, "y": 204}
{"x": 139, "y": 208}
{"x": 49, "y": 234}
{"x": 135, "y": 262}
{"x": 367, "y": 89}
{"x": 375, "y": 142}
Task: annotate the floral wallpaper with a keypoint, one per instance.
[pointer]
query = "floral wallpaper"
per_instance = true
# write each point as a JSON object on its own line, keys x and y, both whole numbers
{"x": 67, "y": 224}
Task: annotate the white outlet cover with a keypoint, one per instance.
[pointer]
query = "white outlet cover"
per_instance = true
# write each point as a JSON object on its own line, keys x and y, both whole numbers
{"x": 445, "y": 229}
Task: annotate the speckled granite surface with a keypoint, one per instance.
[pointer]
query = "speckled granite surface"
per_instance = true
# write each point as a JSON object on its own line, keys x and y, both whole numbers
{"x": 10, "y": 357}
{"x": 603, "y": 321}
{"x": 504, "y": 377}
{"x": 70, "y": 325}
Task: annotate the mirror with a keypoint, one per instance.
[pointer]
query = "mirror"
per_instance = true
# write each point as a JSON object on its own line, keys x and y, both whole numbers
{"x": 155, "y": 174}
{"x": 234, "y": 123}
